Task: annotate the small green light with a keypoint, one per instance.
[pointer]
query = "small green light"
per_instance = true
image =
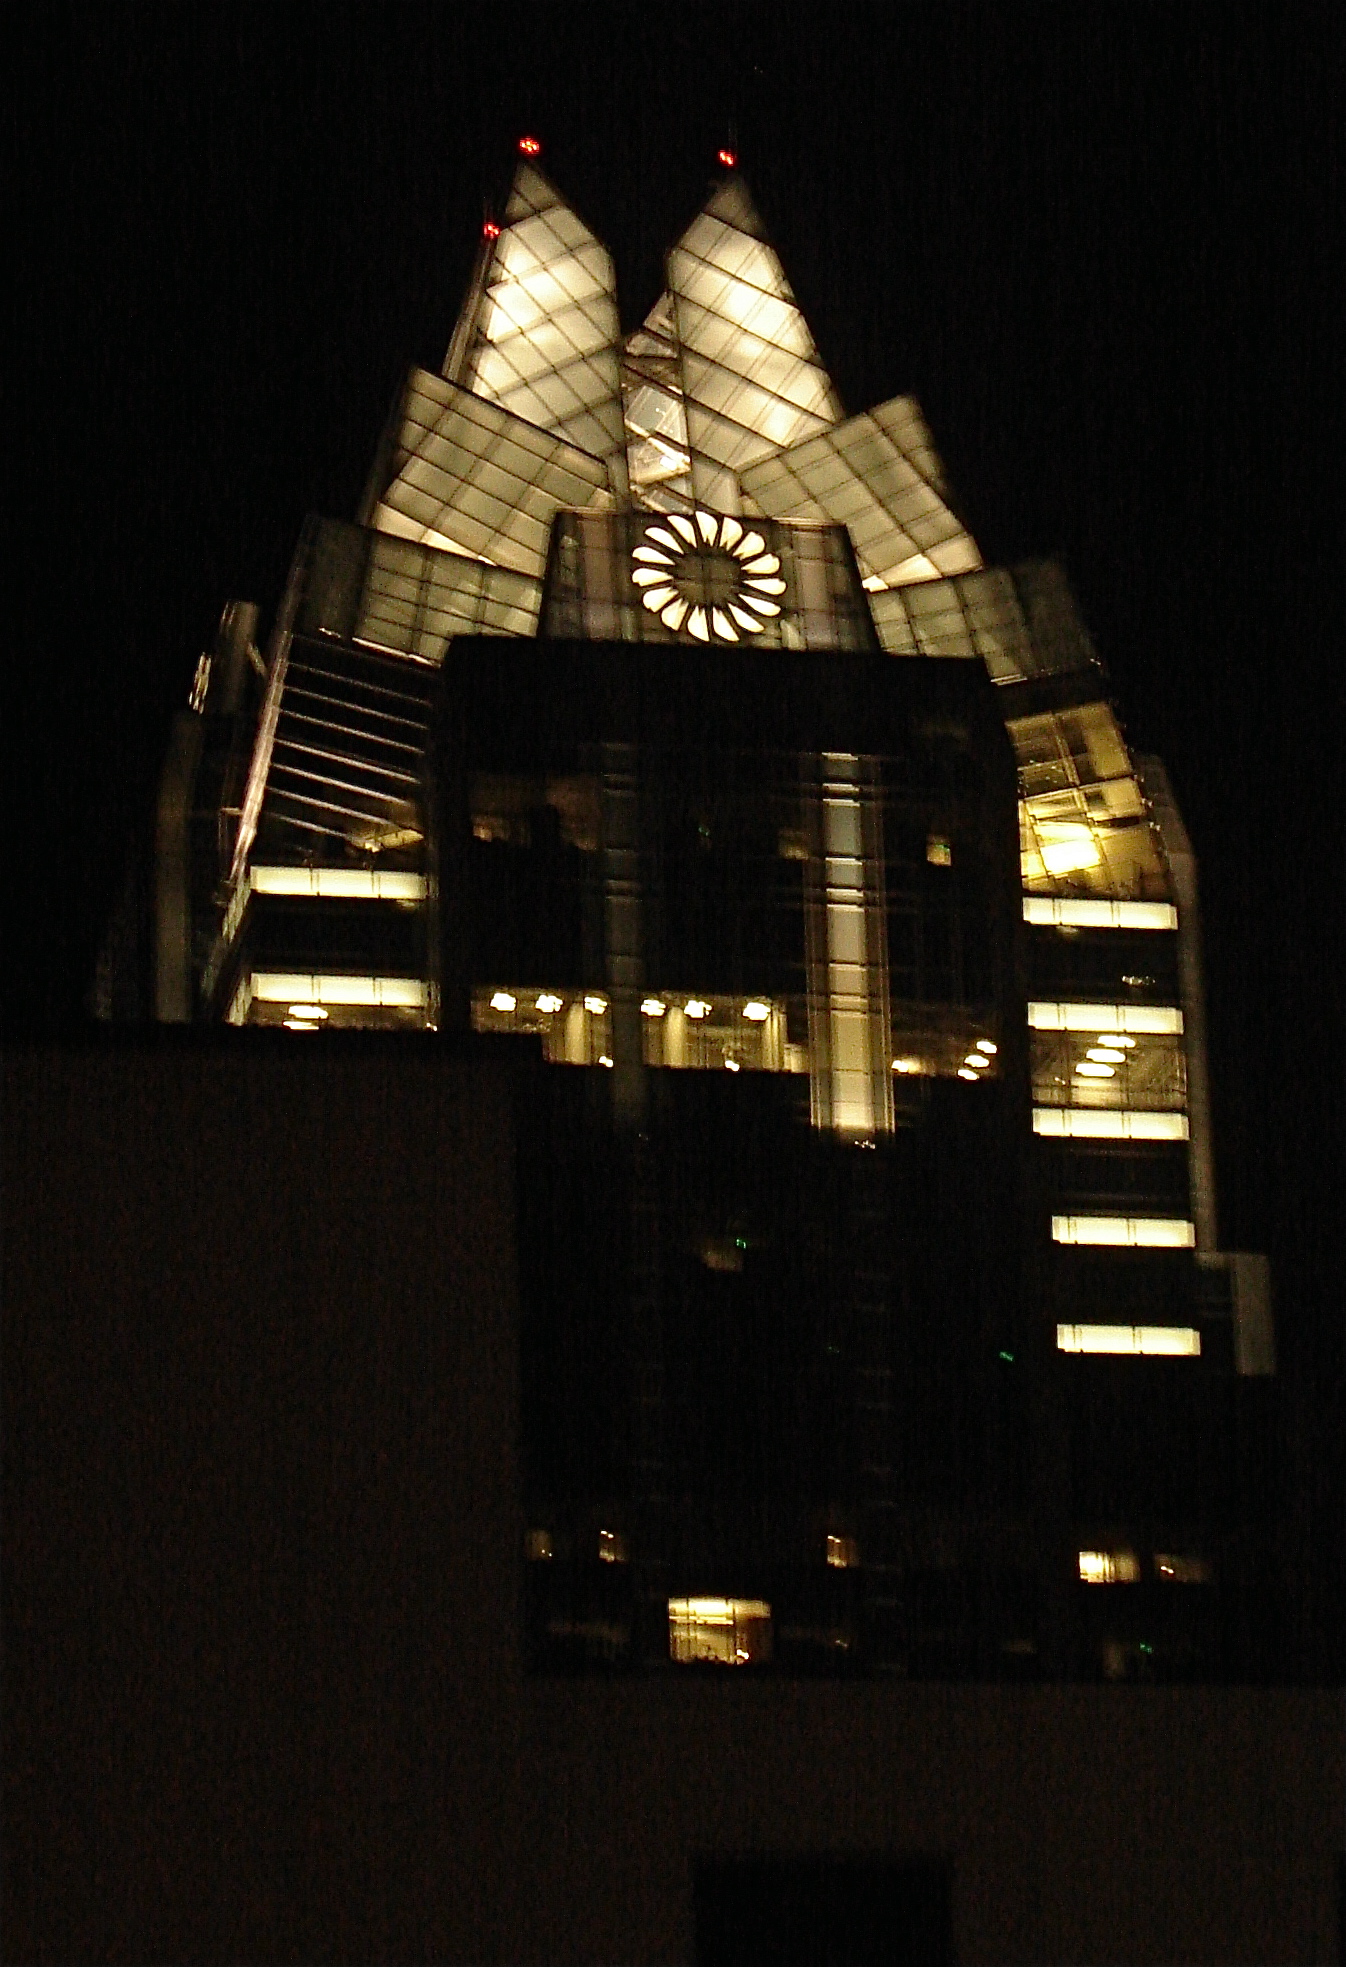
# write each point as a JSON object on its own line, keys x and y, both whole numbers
{"x": 1008, "y": 1356}
{"x": 740, "y": 1242}
{"x": 1144, "y": 1648}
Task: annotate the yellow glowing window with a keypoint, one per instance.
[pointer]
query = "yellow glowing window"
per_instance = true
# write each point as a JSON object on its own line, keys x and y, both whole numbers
{"x": 406, "y": 993}
{"x": 1109, "y": 1567}
{"x": 843, "y": 1553}
{"x": 1102, "y": 1124}
{"x": 344, "y": 883}
{"x": 723, "y": 1631}
{"x": 1158, "y": 1341}
{"x": 1049, "y": 911}
{"x": 1135, "y": 1232}
{"x": 1111, "y": 1020}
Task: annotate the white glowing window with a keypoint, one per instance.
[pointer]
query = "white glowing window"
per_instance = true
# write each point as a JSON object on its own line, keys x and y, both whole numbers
{"x": 1049, "y": 911}
{"x": 1111, "y": 1019}
{"x": 549, "y": 1002}
{"x": 1158, "y": 1341}
{"x": 697, "y": 1007}
{"x": 1105, "y": 1124}
{"x": 596, "y": 1005}
{"x": 756, "y": 1012}
{"x": 724, "y": 1631}
{"x": 1140, "y": 1232}
{"x": 1109, "y": 1567}
{"x": 654, "y": 1007}
{"x": 503, "y": 1000}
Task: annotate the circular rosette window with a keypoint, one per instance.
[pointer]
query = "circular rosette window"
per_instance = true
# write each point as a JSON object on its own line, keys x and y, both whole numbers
{"x": 708, "y": 575}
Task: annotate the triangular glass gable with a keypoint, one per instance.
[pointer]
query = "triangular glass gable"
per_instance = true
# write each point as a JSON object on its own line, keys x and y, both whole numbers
{"x": 752, "y": 377}
{"x": 540, "y": 333}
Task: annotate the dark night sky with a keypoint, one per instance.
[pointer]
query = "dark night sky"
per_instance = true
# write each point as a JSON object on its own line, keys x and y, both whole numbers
{"x": 1098, "y": 243}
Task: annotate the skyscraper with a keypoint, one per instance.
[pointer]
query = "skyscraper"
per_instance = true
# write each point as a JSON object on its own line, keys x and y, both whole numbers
{"x": 658, "y": 714}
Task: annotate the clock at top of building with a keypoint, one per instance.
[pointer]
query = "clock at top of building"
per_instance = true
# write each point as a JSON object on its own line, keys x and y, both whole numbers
{"x": 707, "y": 574}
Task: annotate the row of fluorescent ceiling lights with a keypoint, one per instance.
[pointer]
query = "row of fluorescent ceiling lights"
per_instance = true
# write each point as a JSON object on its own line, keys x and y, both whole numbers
{"x": 756, "y": 1011}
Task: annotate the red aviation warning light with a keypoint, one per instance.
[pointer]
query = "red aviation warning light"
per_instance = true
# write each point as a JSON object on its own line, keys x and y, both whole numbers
{"x": 728, "y": 159}
{"x": 490, "y": 230}
{"x": 529, "y": 147}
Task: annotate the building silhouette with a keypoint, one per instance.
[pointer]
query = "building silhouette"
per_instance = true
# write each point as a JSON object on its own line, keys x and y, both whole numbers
{"x": 660, "y": 714}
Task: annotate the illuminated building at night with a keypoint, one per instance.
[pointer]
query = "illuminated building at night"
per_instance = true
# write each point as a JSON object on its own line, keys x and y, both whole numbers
{"x": 660, "y": 715}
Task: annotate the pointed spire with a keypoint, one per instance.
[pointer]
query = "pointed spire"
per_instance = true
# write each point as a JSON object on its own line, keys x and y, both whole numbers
{"x": 539, "y": 333}
{"x": 753, "y": 379}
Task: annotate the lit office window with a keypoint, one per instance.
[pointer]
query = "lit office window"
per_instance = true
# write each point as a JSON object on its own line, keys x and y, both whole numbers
{"x": 1130, "y": 1019}
{"x": 1061, "y": 912}
{"x": 724, "y": 1631}
{"x": 1109, "y": 1567}
{"x": 1102, "y": 1125}
{"x": 1135, "y": 1232}
{"x": 843, "y": 1553}
{"x": 339, "y": 883}
{"x": 1160, "y": 1341}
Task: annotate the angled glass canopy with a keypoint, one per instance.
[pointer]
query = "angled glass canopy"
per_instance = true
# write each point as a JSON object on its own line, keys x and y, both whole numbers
{"x": 879, "y": 476}
{"x": 471, "y": 477}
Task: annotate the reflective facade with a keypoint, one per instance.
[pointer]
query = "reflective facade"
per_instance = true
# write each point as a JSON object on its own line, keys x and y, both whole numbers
{"x": 661, "y": 716}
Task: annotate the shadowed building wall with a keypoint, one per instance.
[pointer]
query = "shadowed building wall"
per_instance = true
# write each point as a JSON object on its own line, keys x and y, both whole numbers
{"x": 266, "y": 1695}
